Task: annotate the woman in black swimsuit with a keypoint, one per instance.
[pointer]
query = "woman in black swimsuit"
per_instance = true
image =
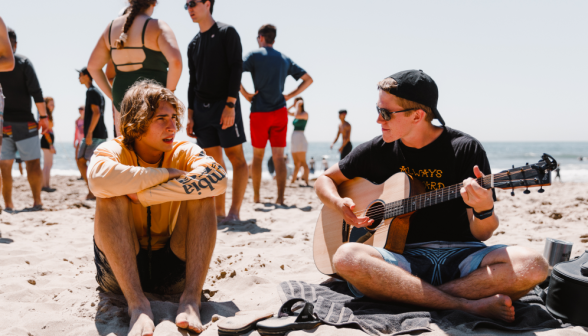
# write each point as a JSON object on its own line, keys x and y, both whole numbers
{"x": 47, "y": 141}
{"x": 140, "y": 48}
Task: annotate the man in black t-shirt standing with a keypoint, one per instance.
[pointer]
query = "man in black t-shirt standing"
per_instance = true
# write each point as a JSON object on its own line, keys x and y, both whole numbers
{"x": 20, "y": 131}
{"x": 444, "y": 265}
{"x": 94, "y": 129}
{"x": 214, "y": 112}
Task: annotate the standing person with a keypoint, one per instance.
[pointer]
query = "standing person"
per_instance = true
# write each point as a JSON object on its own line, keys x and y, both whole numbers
{"x": 94, "y": 129}
{"x": 299, "y": 145}
{"x": 21, "y": 131}
{"x": 269, "y": 116}
{"x": 47, "y": 141}
{"x": 325, "y": 163}
{"x": 79, "y": 134}
{"x": 139, "y": 47}
{"x": 345, "y": 132}
{"x": 311, "y": 164}
{"x": 155, "y": 226}
{"x": 214, "y": 112}
{"x": 444, "y": 265}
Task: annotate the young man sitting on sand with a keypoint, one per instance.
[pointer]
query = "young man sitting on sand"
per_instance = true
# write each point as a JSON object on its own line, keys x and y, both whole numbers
{"x": 155, "y": 224}
{"x": 444, "y": 265}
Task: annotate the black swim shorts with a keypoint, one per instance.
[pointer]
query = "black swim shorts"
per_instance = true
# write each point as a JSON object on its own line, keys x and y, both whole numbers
{"x": 168, "y": 272}
{"x": 208, "y": 129}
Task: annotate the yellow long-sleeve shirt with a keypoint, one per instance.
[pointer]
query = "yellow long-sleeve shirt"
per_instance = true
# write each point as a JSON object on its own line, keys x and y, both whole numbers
{"x": 113, "y": 171}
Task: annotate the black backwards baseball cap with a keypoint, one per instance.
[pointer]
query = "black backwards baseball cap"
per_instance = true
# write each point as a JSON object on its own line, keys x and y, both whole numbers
{"x": 417, "y": 86}
{"x": 84, "y": 71}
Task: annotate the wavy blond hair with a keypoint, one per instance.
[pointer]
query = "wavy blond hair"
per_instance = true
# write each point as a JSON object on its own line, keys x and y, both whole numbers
{"x": 138, "y": 108}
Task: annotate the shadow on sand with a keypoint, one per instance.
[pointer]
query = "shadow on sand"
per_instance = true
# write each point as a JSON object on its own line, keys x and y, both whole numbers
{"x": 112, "y": 317}
{"x": 249, "y": 225}
{"x": 272, "y": 206}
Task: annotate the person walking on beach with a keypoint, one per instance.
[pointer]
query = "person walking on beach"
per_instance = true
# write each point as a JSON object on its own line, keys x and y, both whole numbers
{"x": 311, "y": 163}
{"x": 444, "y": 265}
{"x": 345, "y": 131}
{"x": 21, "y": 130}
{"x": 79, "y": 135}
{"x": 269, "y": 116}
{"x": 214, "y": 111}
{"x": 139, "y": 47}
{"x": 299, "y": 145}
{"x": 155, "y": 225}
{"x": 94, "y": 129}
{"x": 47, "y": 141}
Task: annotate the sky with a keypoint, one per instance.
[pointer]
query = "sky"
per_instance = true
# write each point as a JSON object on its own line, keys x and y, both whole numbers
{"x": 506, "y": 70}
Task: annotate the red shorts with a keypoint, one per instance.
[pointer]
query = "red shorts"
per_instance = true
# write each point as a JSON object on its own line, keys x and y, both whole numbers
{"x": 269, "y": 125}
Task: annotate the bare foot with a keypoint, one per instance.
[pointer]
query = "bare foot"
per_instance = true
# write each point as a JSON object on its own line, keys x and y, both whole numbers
{"x": 141, "y": 322}
{"x": 231, "y": 217}
{"x": 280, "y": 202}
{"x": 256, "y": 199}
{"x": 497, "y": 307}
{"x": 189, "y": 316}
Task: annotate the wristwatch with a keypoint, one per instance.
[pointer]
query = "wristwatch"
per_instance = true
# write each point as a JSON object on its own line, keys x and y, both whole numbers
{"x": 231, "y": 105}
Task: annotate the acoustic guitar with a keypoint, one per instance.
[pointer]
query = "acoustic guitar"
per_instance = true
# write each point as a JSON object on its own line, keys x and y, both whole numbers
{"x": 391, "y": 204}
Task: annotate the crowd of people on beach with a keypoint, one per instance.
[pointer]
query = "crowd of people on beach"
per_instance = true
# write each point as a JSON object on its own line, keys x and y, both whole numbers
{"x": 159, "y": 201}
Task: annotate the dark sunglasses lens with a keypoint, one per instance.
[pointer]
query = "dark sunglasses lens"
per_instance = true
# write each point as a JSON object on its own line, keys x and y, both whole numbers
{"x": 383, "y": 113}
{"x": 189, "y": 5}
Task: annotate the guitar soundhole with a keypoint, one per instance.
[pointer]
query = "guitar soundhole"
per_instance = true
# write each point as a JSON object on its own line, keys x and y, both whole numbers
{"x": 376, "y": 212}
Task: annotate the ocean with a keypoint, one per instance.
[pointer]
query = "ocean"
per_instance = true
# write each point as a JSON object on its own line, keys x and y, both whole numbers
{"x": 502, "y": 155}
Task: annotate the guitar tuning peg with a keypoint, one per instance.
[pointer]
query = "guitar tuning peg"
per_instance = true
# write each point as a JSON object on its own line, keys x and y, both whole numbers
{"x": 526, "y": 164}
{"x": 527, "y": 192}
{"x": 512, "y": 193}
{"x": 541, "y": 190}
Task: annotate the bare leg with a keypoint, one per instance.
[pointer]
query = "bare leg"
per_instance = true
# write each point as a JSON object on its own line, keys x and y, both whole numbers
{"x": 35, "y": 177}
{"x": 512, "y": 271}
{"x": 115, "y": 236}
{"x": 365, "y": 268}
{"x": 6, "y": 168}
{"x": 240, "y": 178}
{"x": 281, "y": 172}
{"x": 296, "y": 167}
{"x": 217, "y": 154}
{"x": 304, "y": 166}
{"x": 83, "y": 167}
{"x": 193, "y": 240}
{"x": 256, "y": 172}
{"x": 47, "y": 164}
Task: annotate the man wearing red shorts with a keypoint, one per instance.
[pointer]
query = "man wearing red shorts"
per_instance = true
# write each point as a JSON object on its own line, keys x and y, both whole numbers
{"x": 269, "y": 117}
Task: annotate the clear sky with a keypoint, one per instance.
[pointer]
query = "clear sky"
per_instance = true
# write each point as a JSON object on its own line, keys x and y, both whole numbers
{"x": 506, "y": 70}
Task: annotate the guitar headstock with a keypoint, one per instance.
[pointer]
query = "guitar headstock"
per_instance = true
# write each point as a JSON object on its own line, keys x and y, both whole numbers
{"x": 534, "y": 175}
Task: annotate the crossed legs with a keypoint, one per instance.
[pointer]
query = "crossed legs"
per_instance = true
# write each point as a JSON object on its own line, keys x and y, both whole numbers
{"x": 281, "y": 172}
{"x": 240, "y": 178}
{"x": 192, "y": 240}
{"x": 504, "y": 275}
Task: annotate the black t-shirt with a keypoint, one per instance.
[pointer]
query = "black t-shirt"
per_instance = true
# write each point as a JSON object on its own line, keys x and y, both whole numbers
{"x": 215, "y": 62}
{"x": 19, "y": 85}
{"x": 448, "y": 160}
{"x": 94, "y": 97}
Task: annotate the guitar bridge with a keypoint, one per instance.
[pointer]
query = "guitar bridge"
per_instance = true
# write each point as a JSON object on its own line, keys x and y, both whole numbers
{"x": 345, "y": 233}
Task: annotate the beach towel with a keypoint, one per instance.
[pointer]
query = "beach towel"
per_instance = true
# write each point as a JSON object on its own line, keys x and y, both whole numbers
{"x": 335, "y": 305}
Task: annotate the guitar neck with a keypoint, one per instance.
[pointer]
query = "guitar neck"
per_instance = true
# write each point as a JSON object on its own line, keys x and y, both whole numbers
{"x": 429, "y": 198}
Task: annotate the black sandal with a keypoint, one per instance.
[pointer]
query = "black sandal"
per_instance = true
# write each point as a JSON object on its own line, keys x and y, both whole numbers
{"x": 287, "y": 320}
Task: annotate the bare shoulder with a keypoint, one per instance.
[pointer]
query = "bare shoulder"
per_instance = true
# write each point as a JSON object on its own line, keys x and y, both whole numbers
{"x": 303, "y": 116}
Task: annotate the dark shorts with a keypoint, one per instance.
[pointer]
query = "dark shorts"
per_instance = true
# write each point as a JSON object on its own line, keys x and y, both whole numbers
{"x": 168, "y": 272}
{"x": 346, "y": 150}
{"x": 208, "y": 129}
{"x": 437, "y": 262}
{"x": 86, "y": 151}
{"x": 45, "y": 143}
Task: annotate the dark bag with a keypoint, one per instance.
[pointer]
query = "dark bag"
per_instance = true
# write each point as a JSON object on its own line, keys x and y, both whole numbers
{"x": 567, "y": 296}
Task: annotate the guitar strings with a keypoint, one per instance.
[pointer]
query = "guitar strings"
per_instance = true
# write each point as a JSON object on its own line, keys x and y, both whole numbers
{"x": 444, "y": 192}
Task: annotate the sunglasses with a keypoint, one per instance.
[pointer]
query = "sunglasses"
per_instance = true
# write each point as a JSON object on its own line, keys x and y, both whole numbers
{"x": 192, "y": 4}
{"x": 387, "y": 115}
{"x": 80, "y": 109}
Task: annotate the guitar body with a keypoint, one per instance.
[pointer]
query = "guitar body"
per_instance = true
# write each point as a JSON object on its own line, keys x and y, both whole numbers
{"x": 331, "y": 230}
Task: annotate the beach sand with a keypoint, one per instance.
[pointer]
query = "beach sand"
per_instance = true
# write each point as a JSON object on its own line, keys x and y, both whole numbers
{"x": 47, "y": 284}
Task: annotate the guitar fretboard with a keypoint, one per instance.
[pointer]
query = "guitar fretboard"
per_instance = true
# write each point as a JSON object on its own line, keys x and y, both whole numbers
{"x": 424, "y": 200}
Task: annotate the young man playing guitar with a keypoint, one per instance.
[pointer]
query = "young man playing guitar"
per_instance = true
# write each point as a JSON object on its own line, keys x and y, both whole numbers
{"x": 444, "y": 265}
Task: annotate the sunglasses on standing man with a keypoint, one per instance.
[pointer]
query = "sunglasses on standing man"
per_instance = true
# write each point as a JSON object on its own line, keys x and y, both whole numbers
{"x": 192, "y": 4}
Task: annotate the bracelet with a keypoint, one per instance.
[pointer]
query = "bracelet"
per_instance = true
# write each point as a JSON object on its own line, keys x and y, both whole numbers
{"x": 43, "y": 117}
{"x": 483, "y": 214}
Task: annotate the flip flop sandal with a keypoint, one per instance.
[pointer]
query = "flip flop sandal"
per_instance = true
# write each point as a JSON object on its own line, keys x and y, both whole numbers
{"x": 288, "y": 321}
{"x": 242, "y": 323}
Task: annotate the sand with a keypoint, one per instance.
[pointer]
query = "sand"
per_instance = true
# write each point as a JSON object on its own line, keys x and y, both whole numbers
{"x": 47, "y": 284}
